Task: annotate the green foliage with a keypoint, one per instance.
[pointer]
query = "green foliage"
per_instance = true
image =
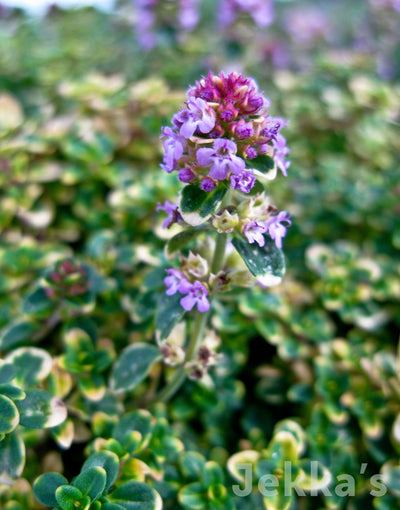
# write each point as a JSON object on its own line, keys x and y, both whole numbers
{"x": 83, "y": 257}
{"x": 266, "y": 263}
{"x": 132, "y": 366}
{"x": 169, "y": 313}
{"x": 197, "y": 206}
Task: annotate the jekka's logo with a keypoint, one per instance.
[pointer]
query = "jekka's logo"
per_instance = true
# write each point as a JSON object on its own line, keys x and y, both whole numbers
{"x": 269, "y": 484}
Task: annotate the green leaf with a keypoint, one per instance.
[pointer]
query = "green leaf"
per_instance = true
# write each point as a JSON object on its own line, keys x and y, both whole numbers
{"x": 12, "y": 458}
{"x": 17, "y": 333}
{"x": 297, "y": 432}
{"x": 391, "y": 479}
{"x": 91, "y": 482}
{"x": 263, "y": 163}
{"x": 45, "y": 486}
{"x": 37, "y": 302}
{"x": 136, "y": 496}
{"x": 32, "y": 365}
{"x": 192, "y": 464}
{"x": 169, "y": 312}
{"x": 139, "y": 421}
{"x": 283, "y": 447}
{"x": 239, "y": 461}
{"x": 92, "y": 386}
{"x": 39, "y": 410}
{"x": 264, "y": 167}
{"x": 266, "y": 263}
{"x": 315, "y": 476}
{"x": 9, "y": 416}
{"x": 63, "y": 434}
{"x": 98, "y": 150}
{"x": 106, "y": 460}
{"x": 68, "y": 497}
{"x": 12, "y": 392}
{"x": 7, "y": 372}
{"x": 257, "y": 188}
{"x": 192, "y": 496}
{"x": 197, "y": 206}
{"x": 132, "y": 366}
{"x": 182, "y": 239}
{"x": 79, "y": 351}
{"x": 212, "y": 474}
{"x": 112, "y": 506}
{"x": 278, "y": 501}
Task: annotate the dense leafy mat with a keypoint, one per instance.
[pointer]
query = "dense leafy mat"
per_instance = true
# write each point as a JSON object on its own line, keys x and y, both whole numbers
{"x": 308, "y": 371}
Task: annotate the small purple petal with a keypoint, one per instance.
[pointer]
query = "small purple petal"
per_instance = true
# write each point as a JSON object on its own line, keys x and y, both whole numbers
{"x": 198, "y": 115}
{"x": 185, "y": 286}
{"x": 254, "y": 233}
{"x": 203, "y": 305}
{"x": 173, "y": 149}
{"x": 205, "y": 156}
{"x": 188, "y": 128}
{"x": 222, "y": 158}
{"x": 281, "y": 151}
{"x": 173, "y": 281}
{"x": 186, "y": 175}
{"x": 244, "y": 181}
{"x": 219, "y": 169}
{"x": 196, "y": 295}
{"x": 275, "y": 228}
{"x": 172, "y": 213}
{"x": 188, "y": 302}
{"x": 207, "y": 184}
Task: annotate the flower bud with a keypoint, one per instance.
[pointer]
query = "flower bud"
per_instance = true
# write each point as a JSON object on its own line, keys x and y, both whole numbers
{"x": 196, "y": 265}
{"x": 225, "y": 222}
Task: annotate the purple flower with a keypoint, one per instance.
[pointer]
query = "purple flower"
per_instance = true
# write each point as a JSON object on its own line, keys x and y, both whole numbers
{"x": 243, "y": 181}
{"x": 173, "y": 149}
{"x": 198, "y": 115}
{"x": 271, "y": 127}
{"x": 222, "y": 158}
{"x": 196, "y": 295}
{"x": 145, "y": 27}
{"x": 254, "y": 232}
{"x": 279, "y": 144}
{"x": 186, "y": 175}
{"x": 262, "y": 11}
{"x": 305, "y": 24}
{"x": 251, "y": 153}
{"x": 207, "y": 184}
{"x": 275, "y": 228}
{"x": 172, "y": 213}
{"x": 175, "y": 281}
{"x": 189, "y": 14}
{"x": 232, "y": 91}
{"x": 244, "y": 130}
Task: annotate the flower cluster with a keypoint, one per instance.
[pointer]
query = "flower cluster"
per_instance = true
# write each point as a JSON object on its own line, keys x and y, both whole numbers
{"x": 390, "y": 4}
{"x": 69, "y": 279}
{"x": 262, "y": 11}
{"x": 195, "y": 293}
{"x": 223, "y": 127}
{"x": 146, "y": 18}
{"x": 254, "y": 218}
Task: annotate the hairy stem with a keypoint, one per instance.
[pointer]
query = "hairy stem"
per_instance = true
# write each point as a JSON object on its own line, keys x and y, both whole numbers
{"x": 200, "y": 323}
{"x": 178, "y": 378}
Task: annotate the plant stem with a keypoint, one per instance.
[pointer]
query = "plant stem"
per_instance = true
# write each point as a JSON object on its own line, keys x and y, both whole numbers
{"x": 176, "y": 381}
{"x": 200, "y": 323}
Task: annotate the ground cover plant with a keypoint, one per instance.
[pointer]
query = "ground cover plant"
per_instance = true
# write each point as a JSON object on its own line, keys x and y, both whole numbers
{"x": 191, "y": 316}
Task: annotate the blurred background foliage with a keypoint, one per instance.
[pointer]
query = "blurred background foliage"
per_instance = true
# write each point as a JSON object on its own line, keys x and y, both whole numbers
{"x": 82, "y": 259}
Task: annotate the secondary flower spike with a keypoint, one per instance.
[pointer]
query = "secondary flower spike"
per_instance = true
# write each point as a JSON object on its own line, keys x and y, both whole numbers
{"x": 223, "y": 127}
